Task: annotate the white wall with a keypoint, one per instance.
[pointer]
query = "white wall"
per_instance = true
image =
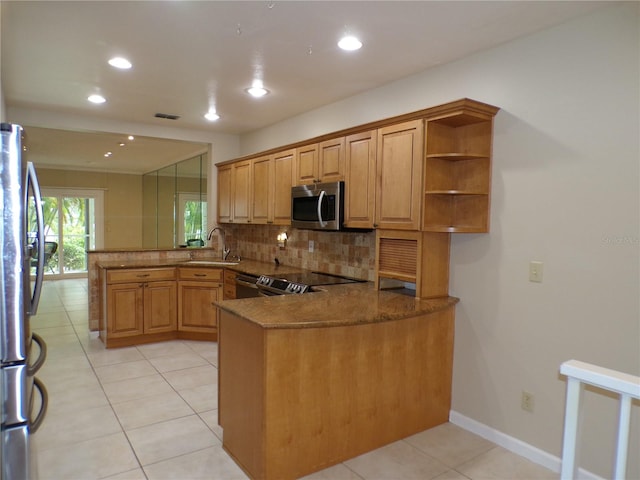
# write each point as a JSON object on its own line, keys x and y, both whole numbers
{"x": 565, "y": 192}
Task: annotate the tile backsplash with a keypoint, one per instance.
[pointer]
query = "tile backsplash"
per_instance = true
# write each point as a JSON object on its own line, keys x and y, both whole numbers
{"x": 343, "y": 253}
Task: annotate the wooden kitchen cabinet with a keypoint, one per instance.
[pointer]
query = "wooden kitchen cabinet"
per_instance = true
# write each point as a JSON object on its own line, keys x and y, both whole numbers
{"x": 421, "y": 258}
{"x": 234, "y": 192}
{"x": 262, "y": 190}
{"x": 224, "y": 212}
{"x": 140, "y": 306}
{"x": 283, "y": 172}
{"x": 198, "y": 290}
{"x": 321, "y": 162}
{"x": 331, "y": 159}
{"x": 272, "y": 178}
{"x": 399, "y": 176}
{"x": 306, "y": 164}
{"x": 457, "y": 173}
{"x": 242, "y": 192}
{"x": 229, "y": 288}
{"x": 360, "y": 179}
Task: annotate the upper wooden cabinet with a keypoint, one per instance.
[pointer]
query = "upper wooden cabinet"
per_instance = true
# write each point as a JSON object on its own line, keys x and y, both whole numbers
{"x": 306, "y": 164}
{"x": 257, "y": 190}
{"x": 399, "y": 176}
{"x": 457, "y": 174}
{"x": 262, "y": 201}
{"x": 321, "y": 162}
{"x": 331, "y": 160}
{"x": 234, "y": 192}
{"x": 425, "y": 171}
{"x": 283, "y": 168}
{"x": 360, "y": 179}
{"x": 224, "y": 197}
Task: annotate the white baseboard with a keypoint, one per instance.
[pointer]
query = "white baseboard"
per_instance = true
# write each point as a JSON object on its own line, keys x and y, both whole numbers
{"x": 514, "y": 445}
{"x": 93, "y": 334}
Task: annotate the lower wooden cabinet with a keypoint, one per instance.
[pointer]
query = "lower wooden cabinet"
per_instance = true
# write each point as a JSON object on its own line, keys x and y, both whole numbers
{"x": 147, "y": 305}
{"x": 140, "y": 306}
{"x": 198, "y": 290}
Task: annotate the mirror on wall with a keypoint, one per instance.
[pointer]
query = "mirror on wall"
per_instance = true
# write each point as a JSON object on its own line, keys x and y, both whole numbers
{"x": 175, "y": 205}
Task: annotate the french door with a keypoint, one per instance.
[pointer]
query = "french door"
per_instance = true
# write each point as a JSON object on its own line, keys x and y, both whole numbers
{"x": 73, "y": 221}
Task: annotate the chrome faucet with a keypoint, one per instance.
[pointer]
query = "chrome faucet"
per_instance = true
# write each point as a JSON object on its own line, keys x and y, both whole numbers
{"x": 225, "y": 250}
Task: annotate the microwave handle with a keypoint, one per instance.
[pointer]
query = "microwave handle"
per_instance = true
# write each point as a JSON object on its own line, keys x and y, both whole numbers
{"x": 322, "y": 222}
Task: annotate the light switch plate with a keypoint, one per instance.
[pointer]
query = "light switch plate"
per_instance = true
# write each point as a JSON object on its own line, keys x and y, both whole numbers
{"x": 535, "y": 271}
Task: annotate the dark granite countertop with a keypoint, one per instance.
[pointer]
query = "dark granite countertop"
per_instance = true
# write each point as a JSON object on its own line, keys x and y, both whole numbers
{"x": 336, "y": 305}
{"x": 251, "y": 267}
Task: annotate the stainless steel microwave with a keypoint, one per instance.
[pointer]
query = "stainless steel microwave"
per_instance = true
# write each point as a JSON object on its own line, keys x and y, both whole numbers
{"x": 318, "y": 206}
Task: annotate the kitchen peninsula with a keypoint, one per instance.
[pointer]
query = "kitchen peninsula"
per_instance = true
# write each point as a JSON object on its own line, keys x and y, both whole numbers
{"x": 308, "y": 381}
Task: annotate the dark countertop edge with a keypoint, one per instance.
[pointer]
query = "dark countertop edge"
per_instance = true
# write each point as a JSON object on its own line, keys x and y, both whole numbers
{"x": 247, "y": 266}
{"x": 140, "y": 249}
{"x": 432, "y": 305}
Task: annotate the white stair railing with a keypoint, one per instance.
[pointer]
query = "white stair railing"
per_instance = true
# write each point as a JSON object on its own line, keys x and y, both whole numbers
{"x": 627, "y": 386}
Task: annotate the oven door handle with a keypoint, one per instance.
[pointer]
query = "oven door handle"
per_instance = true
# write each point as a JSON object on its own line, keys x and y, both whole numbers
{"x": 320, "y": 220}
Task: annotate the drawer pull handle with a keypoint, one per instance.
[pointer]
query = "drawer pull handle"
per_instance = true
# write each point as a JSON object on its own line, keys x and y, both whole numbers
{"x": 143, "y": 275}
{"x": 199, "y": 274}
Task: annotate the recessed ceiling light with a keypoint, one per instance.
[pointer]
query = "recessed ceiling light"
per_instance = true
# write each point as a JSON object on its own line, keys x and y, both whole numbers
{"x": 120, "y": 62}
{"x": 211, "y": 116}
{"x": 122, "y": 144}
{"x": 257, "y": 92}
{"x": 96, "y": 98}
{"x": 130, "y": 137}
{"x": 350, "y": 43}
{"x": 108, "y": 154}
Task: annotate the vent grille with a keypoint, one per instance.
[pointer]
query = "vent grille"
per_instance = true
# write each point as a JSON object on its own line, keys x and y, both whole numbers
{"x": 398, "y": 256}
{"x": 167, "y": 116}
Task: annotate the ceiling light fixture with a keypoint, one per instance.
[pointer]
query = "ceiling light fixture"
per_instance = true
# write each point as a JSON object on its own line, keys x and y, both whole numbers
{"x": 349, "y": 43}
{"x": 130, "y": 137}
{"x": 257, "y": 92}
{"x": 97, "y": 99}
{"x": 211, "y": 116}
{"x": 257, "y": 89}
{"x": 120, "y": 62}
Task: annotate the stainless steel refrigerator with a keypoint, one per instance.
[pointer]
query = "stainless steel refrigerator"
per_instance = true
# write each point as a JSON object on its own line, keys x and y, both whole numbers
{"x": 23, "y": 397}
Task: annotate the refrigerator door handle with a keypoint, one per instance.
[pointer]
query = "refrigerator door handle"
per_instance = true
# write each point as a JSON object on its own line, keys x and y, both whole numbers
{"x": 32, "y": 179}
{"x": 35, "y": 366}
{"x": 37, "y": 422}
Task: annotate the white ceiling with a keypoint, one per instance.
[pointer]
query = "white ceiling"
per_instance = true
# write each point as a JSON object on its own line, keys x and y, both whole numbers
{"x": 189, "y": 56}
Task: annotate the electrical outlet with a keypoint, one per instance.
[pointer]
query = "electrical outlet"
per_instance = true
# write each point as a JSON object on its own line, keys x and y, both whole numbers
{"x": 535, "y": 272}
{"x": 311, "y": 246}
{"x": 527, "y": 401}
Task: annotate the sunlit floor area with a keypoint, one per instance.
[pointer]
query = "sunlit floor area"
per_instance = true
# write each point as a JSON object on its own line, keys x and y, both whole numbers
{"x": 150, "y": 412}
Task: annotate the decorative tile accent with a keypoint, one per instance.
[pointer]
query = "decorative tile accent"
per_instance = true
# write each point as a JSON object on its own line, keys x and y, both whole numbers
{"x": 343, "y": 253}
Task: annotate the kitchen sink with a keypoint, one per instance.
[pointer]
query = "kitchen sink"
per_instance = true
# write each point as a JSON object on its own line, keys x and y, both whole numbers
{"x": 215, "y": 263}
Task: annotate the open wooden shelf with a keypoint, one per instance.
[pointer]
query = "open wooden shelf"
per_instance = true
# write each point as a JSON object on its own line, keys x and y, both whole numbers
{"x": 457, "y": 173}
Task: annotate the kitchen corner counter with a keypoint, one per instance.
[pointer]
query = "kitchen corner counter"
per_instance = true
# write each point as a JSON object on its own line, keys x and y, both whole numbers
{"x": 338, "y": 305}
{"x": 308, "y": 381}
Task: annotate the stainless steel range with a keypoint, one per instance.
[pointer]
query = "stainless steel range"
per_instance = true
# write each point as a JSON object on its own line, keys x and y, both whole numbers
{"x": 296, "y": 283}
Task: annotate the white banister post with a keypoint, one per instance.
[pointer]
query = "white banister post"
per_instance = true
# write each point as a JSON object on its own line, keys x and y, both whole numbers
{"x": 571, "y": 424}
{"x": 619, "y": 471}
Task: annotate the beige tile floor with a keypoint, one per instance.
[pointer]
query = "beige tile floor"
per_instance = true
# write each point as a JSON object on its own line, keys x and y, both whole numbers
{"x": 150, "y": 412}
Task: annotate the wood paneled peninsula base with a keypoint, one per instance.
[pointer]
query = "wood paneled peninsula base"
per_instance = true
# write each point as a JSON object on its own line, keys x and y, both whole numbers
{"x": 309, "y": 381}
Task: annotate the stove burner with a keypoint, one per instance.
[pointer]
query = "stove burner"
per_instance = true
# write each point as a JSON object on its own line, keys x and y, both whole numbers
{"x": 297, "y": 283}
